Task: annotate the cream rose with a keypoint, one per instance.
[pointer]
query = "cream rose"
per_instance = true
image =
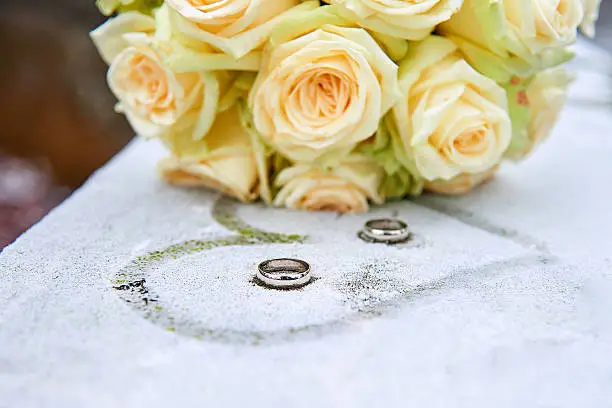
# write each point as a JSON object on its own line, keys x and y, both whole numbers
{"x": 591, "y": 15}
{"x": 322, "y": 93}
{"x": 530, "y": 34}
{"x": 461, "y": 184}
{"x": 225, "y": 161}
{"x": 452, "y": 119}
{"x": 235, "y": 27}
{"x": 153, "y": 97}
{"x": 412, "y": 20}
{"x": 109, "y": 37}
{"x": 544, "y": 23}
{"x": 346, "y": 187}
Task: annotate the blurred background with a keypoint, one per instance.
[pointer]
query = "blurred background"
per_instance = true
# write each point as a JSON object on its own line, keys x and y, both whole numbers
{"x": 57, "y": 124}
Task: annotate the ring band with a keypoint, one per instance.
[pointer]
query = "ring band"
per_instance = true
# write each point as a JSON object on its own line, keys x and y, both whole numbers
{"x": 284, "y": 273}
{"x": 386, "y": 230}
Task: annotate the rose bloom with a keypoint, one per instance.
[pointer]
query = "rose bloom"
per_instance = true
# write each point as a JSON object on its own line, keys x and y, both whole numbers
{"x": 452, "y": 119}
{"x": 534, "y": 31}
{"x": 153, "y": 97}
{"x": 234, "y": 26}
{"x": 322, "y": 93}
{"x": 109, "y": 37}
{"x": 343, "y": 188}
{"x": 546, "y": 96}
{"x": 591, "y": 15}
{"x": 461, "y": 184}
{"x": 412, "y": 20}
{"x": 544, "y": 23}
{"x": 225, "y": 161}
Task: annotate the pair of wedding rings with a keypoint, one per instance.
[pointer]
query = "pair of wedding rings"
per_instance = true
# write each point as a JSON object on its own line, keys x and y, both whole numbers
{"x": 288, "y": 273}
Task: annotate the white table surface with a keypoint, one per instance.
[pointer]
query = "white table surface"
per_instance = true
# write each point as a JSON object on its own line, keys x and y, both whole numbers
{"x": 504, "y": 298}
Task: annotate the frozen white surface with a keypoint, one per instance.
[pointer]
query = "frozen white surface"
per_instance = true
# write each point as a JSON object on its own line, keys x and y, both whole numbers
{"x": 504, "y": 299}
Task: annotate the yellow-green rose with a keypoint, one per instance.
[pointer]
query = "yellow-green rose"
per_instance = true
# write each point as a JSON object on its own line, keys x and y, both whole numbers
{"x": 235, "y": 27}
{"x": 525, "y": 35}
{"x": 547, "y": 95}
{"x": 108, "y": 7}
{"x": 451, "y": 120}
{"x": 412, "y": 20}
{"x": 110, "y": 39}
{"x": 591, "y": 15}
{"x": 461, "y": 184}
{"x": 322, "y": 93}
{"x": 535, "y": 105}
{"x": 226, "y": 163}
{"x": 154, "y": 98}
{"x": 346, "y": 187}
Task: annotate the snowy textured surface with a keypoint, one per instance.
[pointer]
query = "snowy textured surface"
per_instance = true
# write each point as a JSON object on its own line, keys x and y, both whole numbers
{"x": 503, "y": 300}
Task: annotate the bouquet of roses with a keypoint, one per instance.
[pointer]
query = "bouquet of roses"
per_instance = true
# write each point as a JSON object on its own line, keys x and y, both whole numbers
{"x": 331, "y": 105}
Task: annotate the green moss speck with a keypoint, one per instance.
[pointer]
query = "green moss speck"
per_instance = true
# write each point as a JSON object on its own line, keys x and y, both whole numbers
{"x": 248, "y": 236}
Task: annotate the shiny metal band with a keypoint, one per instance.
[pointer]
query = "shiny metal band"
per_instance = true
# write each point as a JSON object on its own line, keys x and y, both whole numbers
{"x": 284, "y": 273}
{"x": 385, "y": 230}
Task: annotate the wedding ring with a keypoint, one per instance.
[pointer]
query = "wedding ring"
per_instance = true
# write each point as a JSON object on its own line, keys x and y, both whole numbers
{"x": 284, "y": 273}
{"x": 385, "y": 230}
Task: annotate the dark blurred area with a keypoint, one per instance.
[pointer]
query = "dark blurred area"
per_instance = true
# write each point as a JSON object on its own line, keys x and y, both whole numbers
{"x": 57, "y": 124}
